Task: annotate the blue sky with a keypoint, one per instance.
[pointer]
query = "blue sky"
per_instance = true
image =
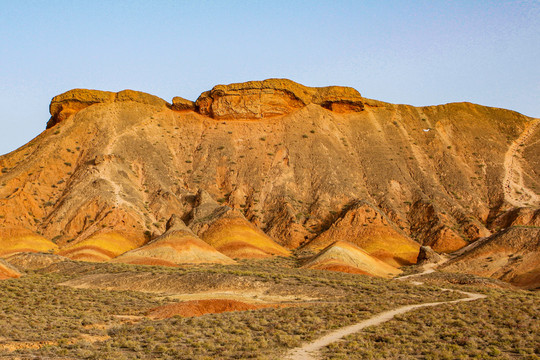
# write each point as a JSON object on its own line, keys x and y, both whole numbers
{"x": 412, "y": 52}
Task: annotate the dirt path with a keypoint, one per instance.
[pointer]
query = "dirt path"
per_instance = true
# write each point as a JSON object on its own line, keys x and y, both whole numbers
{"x": 428, "y": 269}
{"x": 514, "y": 188}
{"x": 310, "y": 351}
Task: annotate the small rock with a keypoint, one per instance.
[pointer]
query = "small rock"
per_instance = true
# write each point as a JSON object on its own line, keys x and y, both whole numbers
{"x": 427, "y": 255}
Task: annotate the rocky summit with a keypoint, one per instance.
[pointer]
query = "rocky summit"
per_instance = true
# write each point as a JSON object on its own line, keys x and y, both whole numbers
{"x": 271, "y": 168}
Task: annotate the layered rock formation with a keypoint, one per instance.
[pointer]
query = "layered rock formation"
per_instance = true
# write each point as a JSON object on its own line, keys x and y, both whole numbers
{"x": 17, "y": 240}
{"x": 512, "y": 255}
{"x": 273, "y": 97}
{"x": 286, "y": 160}
{"x": 101, "y": 246}
{"x": 8, "y": 271}
{"x": 178, "y": 245}
{"x": 346, "y": 257}
{"x": 230, "y": 232}
{"x": 369, "y": 229}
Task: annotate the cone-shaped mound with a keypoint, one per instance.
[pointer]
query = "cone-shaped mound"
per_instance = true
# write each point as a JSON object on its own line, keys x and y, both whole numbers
{"x": 511, "y": 255}
{"x": 8, "y": 271}
{"x": 346, "y": 257}
{"x": 230, "y": 232}
{"x": 16, "y": 240}
{"x": 369, "y": 229}
{"x": 102, "y": 246}
{"x": 178, "y": 245}
{"x": 236, "y": 237}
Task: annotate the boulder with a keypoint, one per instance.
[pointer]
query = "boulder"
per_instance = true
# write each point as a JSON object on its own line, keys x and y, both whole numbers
{"x": 427, "y": 256}
{"x": 181, "y": 104}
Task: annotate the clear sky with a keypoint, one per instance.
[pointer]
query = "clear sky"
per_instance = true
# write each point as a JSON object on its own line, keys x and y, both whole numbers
{"x": 413, "y": 52}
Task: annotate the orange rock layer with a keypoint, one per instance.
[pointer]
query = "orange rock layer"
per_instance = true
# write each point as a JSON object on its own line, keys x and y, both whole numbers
{"x": 346, "y": 257}
{"x": 7, "y": 271}
{"x": 201, "y": 307}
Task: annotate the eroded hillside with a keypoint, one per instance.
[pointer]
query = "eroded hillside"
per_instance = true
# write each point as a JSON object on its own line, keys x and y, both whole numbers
{"x": 292, "y": 163}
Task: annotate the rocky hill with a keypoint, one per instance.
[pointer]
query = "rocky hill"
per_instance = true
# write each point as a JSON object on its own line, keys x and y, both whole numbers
{"x": 511, "y": 254}
{"x": 295, "y": 166}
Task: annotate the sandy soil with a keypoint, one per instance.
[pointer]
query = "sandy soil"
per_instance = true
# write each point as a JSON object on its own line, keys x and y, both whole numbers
{"x": 514, "y": 188}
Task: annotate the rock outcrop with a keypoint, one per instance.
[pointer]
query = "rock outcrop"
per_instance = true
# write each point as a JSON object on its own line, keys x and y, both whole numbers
{"x": 181, "y": 104}
{"x": 249, "y": 100}
{"x": 273, "y": 97}
{"x": 69, "y": 103}
{"x": 511, "y": 255}
{"x": 427, "y": 256}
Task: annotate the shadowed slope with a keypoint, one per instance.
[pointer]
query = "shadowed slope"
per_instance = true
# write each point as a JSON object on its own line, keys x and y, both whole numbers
{"x": 512, "y": 255}
{"x": 230, "y": 232}
{"x": 370, "y": 230}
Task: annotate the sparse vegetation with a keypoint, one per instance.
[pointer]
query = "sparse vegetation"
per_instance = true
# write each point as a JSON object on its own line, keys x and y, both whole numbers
{"x": 64, "y": 318}
{"x": 505, "y": 325}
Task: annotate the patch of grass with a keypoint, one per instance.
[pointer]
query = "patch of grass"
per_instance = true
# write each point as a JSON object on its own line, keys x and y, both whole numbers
{"x": 37, "y": 308}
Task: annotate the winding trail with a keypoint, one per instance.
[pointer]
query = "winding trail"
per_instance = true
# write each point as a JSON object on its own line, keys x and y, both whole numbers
{"x": 310, "y": 351}
{"x": 514, "y": 188}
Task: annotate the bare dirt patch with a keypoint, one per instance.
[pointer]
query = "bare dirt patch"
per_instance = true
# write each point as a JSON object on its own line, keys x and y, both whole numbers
{"x": 201, "y": 307}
